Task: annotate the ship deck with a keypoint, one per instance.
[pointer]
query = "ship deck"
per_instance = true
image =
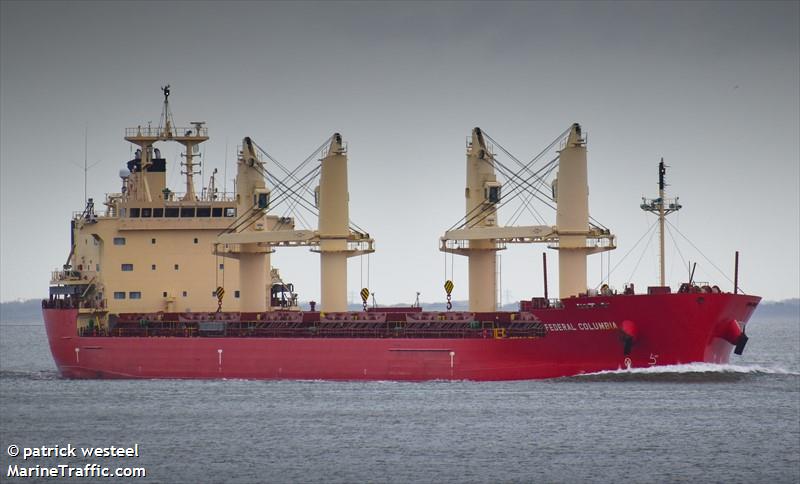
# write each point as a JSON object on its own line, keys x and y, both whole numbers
{"x": 293, "y": 324}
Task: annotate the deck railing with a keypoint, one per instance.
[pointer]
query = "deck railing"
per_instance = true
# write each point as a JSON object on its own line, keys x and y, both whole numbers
{"x": 158, "y": 131}
{"x": 316, "y": 329}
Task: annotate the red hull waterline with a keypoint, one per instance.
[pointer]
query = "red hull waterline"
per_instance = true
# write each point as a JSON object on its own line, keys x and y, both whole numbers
{"x": 586, "y": 335}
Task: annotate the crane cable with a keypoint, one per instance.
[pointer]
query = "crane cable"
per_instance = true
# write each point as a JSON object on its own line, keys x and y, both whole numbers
{"x": 530, "y": 163}
{"x": 298, "y": 199}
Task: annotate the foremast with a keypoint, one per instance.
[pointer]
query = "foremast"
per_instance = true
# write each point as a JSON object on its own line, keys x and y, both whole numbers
{"x": 662, "y": 207}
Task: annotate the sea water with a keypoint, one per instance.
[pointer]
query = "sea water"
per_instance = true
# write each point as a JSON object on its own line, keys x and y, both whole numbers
{"x": 690, "y": 423}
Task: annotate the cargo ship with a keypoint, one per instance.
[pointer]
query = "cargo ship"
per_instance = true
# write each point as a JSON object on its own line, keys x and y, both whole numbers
{"x": 164, "y": 284}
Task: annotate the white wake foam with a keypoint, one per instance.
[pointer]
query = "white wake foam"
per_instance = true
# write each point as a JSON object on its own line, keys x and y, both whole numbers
{"x": 690, "y": 368}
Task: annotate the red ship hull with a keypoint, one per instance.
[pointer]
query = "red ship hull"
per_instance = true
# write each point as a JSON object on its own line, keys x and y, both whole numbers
{"x": 586, "y": 335}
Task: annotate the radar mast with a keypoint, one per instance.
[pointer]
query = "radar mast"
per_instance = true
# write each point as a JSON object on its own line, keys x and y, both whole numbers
{"x": 190, "y": 138}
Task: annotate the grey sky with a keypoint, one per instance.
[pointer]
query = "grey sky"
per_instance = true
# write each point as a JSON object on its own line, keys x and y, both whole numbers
{"x": 713, "y": 87}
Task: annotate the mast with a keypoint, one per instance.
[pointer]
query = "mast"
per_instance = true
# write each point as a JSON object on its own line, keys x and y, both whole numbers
{"x": 662, "y": 207}
{"x": 661, "y": 171}
{"x": 149, "y": 180}
{"x": 191, "y": 147}
{"x": 189, "y": 164}
{"x": 166, "y": 115}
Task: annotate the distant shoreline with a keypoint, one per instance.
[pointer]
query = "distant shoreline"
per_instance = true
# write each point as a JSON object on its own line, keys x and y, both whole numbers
{"x": 30, "y": 310}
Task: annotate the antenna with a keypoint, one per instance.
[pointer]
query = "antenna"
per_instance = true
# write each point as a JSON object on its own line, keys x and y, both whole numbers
{"x": 225, "y": 171}
{"x": 85, "y": 159}
{"x": 86, "y": 166}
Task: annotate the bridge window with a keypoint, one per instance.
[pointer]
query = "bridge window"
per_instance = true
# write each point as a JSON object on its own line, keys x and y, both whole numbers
{"x": 230, "y": 211}
{"x": 158, "y": 212}
{"x": 135, "y": 295}
{"x": 127, "y": 267}
{"x": 216, "y": 211}
{"x": 187, "y": 212}
{"x": 134, "y": 212}
{"x": 171, "y": 212}
{"x": 119, "y": 240}
{"x": 119, "y": 295}
{"x": 147, "y": 212}
{"x": 203, "y": 211}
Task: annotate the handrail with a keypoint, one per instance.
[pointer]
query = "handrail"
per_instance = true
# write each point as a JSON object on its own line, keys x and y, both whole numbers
{"x": 158, "y": 132}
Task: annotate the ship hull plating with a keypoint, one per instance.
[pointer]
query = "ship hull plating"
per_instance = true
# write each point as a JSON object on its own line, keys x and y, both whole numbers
{"x": 586, "y": 335}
